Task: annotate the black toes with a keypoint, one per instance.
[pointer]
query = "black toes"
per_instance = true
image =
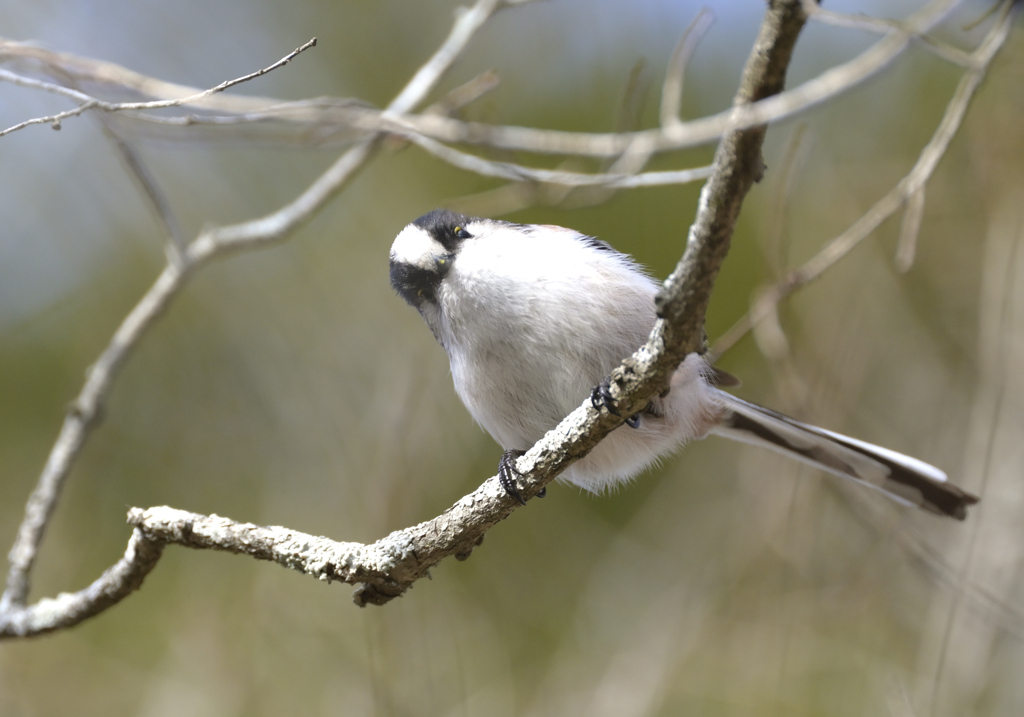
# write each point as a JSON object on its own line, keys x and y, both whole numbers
{"x": 507, "y": 474}
{"x": 602, "y": 396}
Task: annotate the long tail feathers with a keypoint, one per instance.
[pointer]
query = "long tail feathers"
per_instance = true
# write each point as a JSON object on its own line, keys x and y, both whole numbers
{"x": 904, "y": 479}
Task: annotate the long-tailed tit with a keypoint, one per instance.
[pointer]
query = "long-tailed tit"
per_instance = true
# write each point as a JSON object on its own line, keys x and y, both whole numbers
{"x": 534, "y": 317}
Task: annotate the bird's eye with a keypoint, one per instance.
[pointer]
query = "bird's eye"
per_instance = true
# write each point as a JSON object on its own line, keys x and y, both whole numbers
{"x": 461, "y": 233}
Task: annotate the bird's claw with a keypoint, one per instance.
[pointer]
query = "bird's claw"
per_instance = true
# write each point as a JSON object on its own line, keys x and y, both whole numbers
{"x": 602, "y": 396}
{"x": 507, "y": 475}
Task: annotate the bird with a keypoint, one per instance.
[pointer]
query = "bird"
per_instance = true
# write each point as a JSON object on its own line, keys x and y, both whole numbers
{"x": 534, "y": 317}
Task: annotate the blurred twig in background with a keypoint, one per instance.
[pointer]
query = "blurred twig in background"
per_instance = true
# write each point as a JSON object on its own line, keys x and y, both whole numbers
{"x": 909, "y": 192}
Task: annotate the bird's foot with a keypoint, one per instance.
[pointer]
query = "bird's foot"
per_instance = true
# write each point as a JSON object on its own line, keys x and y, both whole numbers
{"x": 602, "y": 396}
{"x": 507, "y": 475}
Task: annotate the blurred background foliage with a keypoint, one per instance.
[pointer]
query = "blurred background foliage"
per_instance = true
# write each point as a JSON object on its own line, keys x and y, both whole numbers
{"x": 291, "y": 387}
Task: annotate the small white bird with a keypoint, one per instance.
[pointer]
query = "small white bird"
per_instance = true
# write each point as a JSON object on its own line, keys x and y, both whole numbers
{"x": 535, "y": 317}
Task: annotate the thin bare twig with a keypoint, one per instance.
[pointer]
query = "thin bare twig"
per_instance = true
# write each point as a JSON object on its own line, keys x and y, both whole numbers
{"x": 53, "y": 120}
{"x": 519, "y": 173}
{"x": 465, "y": 94}
{"x": 879, "y": 25}
{"x": 174, "y": 241}
{"x": 672, "y": 87}
{"x": 906, "y": 246}
{"x": 237, "y": 81}
{"x": 88, "y": 103}
{"x": 85, "y": 70}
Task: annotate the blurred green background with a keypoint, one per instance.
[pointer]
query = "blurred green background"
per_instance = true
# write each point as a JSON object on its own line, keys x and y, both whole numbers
{"x": 292, "y": 387}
